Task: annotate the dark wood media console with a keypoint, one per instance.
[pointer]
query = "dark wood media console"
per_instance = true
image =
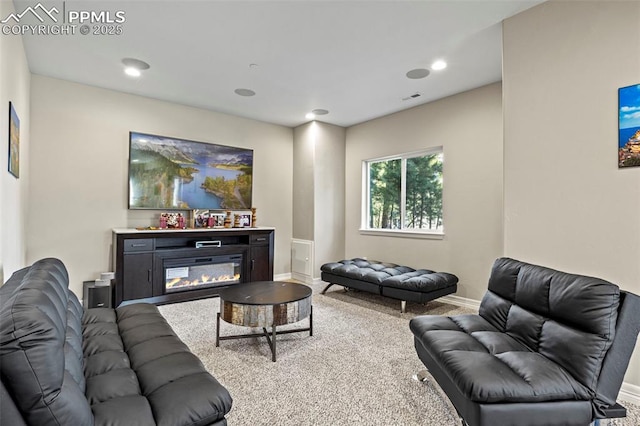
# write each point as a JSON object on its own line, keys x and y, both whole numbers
{"x": 143, "y": 261}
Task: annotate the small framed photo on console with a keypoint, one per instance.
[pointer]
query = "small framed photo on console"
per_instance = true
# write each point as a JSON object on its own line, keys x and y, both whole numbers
{"x": 172, "y": 220}
{"x": 244, "y": 220}
{"x": 216, "y": 220}
{"x": 200, "y": 218}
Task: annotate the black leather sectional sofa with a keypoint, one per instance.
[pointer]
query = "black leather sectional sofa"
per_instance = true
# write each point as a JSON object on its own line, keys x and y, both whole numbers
{"x": 547, "y": 348}
{"x": 62, "y": 365}
{"x": 388, "y": 279}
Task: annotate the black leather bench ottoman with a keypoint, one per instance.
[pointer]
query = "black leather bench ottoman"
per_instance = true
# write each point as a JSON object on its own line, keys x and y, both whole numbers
{"x": 388, "y": 279}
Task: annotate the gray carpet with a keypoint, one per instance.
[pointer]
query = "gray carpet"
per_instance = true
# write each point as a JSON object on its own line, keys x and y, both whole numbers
{"x": 355, "y": 370}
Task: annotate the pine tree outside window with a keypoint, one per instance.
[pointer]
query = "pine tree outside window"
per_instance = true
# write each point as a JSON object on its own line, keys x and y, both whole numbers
{"x": 404, "y": 193}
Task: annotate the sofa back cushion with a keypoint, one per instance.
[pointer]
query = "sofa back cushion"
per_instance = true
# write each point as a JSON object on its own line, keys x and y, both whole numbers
{"x": 569, "y": 319}
{"x": 41, "y": 346}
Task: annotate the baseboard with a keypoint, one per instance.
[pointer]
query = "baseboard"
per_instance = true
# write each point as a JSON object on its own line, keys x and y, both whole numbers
{"x": 461, "y": 301}
{"x": 298, "y": 277}
{"x": 628, "y": 392}
{"x": 282, "y": 277}
{"x": 301, "y": 277}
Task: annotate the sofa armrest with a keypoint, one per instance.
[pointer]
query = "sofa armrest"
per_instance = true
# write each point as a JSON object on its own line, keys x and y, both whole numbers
{"x": 9, "y": 412}
{"x": 617, "y": 359}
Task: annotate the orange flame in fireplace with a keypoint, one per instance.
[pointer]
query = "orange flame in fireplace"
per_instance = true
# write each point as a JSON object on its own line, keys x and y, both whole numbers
{"x": 204, "y": 279}
{"x": 172, "y": 282}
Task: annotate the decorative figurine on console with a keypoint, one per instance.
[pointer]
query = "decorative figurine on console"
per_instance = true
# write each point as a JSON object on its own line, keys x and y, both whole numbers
{"x": 163, "y": 221}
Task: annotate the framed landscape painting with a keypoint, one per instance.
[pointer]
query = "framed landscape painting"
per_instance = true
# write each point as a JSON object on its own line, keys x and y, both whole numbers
{"x": 629, "y": 126}
{"x": 180, "y": 174}
{"x": 14, "y": 142}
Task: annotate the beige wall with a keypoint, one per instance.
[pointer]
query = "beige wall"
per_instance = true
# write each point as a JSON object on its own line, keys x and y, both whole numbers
{"x": 318, "y": 190}
{"x": 567, "y": 205}
{"x": 303, "y": 185}
{"x": 329, "y": 194}
{"x": 469, "y": 127}
{"x": 14, "y": 87}
{"x": 80, "y": 141}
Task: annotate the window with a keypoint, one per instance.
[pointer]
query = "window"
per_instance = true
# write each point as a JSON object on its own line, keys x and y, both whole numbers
{"x": 404, "y": 192}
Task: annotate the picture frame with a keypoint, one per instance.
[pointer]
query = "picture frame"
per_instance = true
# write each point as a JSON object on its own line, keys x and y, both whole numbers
{"x": 14, "y": 142}
{"x": 173, "y": 220}
{"x": 629, "y": 126}
{"x": 245, "y": 218}
{"x": 180, "y": 174}
{"x": 217, "y": 219}
{"x": 200, "y": 218}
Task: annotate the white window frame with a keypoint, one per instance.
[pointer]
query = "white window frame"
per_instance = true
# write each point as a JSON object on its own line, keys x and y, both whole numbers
{"x": 405, "y": 232}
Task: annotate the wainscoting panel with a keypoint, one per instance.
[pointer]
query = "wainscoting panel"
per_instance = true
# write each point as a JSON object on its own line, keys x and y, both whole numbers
{"x": 302, "y": 260}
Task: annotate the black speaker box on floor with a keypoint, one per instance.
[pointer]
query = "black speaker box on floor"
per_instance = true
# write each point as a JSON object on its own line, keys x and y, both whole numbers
{"x": 96, "y": 296}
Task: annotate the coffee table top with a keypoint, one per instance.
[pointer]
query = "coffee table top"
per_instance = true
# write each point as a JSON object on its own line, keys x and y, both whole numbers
{"x": 265, "y": 293}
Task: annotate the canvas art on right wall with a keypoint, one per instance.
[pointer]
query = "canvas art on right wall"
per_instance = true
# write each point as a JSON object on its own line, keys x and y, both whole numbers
{"x": 629, "y": 126}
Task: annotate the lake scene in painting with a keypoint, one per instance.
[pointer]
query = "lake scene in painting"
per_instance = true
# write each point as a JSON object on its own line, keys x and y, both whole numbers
{"x": 170, "y": 173}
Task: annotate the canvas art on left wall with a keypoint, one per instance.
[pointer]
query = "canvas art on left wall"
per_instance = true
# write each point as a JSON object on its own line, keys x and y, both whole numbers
{"x": 629, "y": 126}
{"x": 14, "y": 142}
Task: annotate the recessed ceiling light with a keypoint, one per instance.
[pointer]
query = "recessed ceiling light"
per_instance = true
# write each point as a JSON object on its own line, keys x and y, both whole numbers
{"x": 418, "y": 73}
{"x": 133, "y": 72}
{"x": 134, "y": 67}
{"x": 438, "y": 65}
{"x": 244, "y": 92}
{"x": 310, "y": 116}
{"x": 320, "y": 112}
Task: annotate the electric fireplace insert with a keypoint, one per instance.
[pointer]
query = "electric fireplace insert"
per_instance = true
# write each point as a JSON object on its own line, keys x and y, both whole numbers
{"x": 201, "y": 272}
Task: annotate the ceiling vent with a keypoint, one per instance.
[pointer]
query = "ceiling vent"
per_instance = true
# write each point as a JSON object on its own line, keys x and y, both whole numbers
{"x": 414, "y": 96}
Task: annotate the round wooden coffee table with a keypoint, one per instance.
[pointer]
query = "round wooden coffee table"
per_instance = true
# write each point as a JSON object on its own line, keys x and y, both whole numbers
{"x": 265, "y": 304}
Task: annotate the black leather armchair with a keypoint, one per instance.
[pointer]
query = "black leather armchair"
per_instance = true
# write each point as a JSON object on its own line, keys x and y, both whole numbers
{"x": 547, "y": 348}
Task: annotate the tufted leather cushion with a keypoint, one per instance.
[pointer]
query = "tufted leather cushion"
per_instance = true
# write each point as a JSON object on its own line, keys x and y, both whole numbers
{"x": 569, "y": 319}
{"x": 61, "y": 365}
{"x": 541, "y": 336}
{"x": 391, "y": 275}
{"x": 40, "y": 349}
{"x": 421, "y": 280}
{"x": 490, "y": 366}
{"x": 135, "y": 362}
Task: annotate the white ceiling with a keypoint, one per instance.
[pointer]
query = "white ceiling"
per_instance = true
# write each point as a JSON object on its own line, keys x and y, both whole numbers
{"x": 349, "y": 57}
